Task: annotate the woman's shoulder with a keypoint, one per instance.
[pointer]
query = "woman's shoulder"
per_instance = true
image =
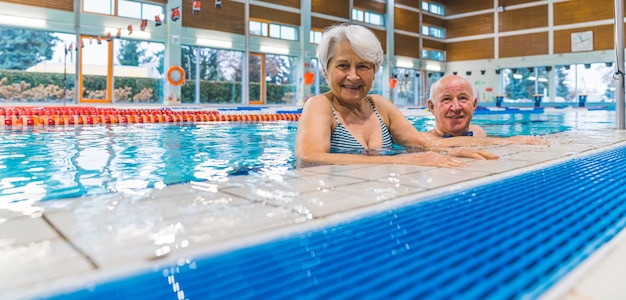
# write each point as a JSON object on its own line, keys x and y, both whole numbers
{"x": 318, "y": 98}
{"x": 317, "y": 103}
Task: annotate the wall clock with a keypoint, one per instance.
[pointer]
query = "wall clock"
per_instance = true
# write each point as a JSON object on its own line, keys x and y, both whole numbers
{"x": 582, "y": 41}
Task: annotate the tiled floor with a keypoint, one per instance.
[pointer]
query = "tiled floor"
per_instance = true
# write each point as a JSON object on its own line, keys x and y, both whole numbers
{"x": 49, "y": 246}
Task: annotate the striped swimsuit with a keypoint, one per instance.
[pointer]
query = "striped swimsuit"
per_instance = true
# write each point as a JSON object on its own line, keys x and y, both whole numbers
{"x": 341, "y": 140}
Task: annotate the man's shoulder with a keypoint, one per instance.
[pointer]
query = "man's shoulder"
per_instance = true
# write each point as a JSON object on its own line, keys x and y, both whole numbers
{"x": 477, "y": 130}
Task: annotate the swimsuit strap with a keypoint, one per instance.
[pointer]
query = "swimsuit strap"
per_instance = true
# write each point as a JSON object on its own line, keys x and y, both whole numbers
{"x": 341, "y": 138}
{"x": 387, "y": 138}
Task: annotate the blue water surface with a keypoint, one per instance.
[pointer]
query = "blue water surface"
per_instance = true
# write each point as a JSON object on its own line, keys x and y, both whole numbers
{"x": 61, "y": 162}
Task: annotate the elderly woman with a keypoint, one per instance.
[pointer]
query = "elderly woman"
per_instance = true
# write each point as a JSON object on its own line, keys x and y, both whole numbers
{"x": 342, "y": 125}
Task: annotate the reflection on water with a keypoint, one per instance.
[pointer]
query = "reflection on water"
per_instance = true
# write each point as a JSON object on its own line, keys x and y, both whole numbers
{"x": 51, "y": 163}
{"x": 61, "y": 162}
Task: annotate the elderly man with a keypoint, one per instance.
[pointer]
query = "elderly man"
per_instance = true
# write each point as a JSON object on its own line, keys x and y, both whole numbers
{"x": 452, "y": 102}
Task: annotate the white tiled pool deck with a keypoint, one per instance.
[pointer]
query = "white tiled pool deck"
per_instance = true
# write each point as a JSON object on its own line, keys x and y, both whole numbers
{"x": 53, "y": 245}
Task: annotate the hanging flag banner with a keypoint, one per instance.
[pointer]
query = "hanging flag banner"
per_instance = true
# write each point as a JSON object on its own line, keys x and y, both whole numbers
{"x": 196, "y": 7}
{"x": 175, "y": 14}
{"x": 392, "y": 83}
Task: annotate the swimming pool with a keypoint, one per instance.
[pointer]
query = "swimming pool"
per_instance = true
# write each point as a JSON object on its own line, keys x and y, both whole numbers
{"x": 490, "y": 241}
{"x": 287, "y": 234}
{"x": 71, "y": 161}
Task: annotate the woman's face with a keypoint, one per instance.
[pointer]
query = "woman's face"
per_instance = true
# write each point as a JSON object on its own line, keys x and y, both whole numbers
{"x": 350, "y": 77}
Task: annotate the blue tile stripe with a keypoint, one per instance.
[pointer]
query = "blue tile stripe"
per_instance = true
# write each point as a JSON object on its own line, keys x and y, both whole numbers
{"x": 513, "y": 238}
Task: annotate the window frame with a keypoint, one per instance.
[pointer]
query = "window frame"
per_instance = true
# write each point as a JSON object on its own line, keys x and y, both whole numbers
{"x": 434, "y": 8}
{"x": 114, "y": 9}
{"x": 315, "y": 36}
{"x": 433, "y": 31}
{"x": 274, "y": 30}
{"x": 432, "y": 54}
{"x": 365, "y": 16}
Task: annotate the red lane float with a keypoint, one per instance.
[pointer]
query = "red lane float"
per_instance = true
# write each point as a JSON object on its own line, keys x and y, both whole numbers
{"x": 68, "y": 116}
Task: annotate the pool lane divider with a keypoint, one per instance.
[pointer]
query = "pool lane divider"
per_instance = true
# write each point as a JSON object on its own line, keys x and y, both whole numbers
{"x": 55, "y": 116}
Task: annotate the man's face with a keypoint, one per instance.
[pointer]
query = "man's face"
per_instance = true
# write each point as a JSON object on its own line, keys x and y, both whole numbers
{"x": 453, "y": 105}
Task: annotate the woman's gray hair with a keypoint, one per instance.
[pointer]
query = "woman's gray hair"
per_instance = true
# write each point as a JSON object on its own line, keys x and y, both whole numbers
{"x": 363, "y": 41}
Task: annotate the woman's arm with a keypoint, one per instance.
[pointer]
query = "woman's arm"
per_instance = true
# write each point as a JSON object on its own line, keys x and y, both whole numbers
{"x": 405, "y": 134}
{"x": 313, "y": 142}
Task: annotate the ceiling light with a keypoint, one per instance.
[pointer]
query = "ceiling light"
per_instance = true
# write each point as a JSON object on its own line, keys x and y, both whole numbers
{"x": 433, "y": 67}
{"x": 13, "y": 20}
{"x": 214, "y": 43}
{"x": 272, "y": 49}
{"x": 404, "y": 64}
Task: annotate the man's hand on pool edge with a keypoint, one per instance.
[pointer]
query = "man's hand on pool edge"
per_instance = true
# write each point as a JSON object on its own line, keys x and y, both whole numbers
{"x": 527, "y": 140}
{"x": 472, "y": 153}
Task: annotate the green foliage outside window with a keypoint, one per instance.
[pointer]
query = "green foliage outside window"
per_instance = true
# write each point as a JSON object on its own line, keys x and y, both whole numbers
{"x": 21, "y": 49}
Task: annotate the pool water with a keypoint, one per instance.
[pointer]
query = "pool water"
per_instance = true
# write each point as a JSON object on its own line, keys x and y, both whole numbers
{"x": 62, "y": 162}
{"x": 528, "y": 123}
{"x": 52, "y": 163}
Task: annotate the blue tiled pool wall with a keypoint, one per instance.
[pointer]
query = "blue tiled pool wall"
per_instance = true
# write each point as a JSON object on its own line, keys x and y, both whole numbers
{"x": 514, "y": 238}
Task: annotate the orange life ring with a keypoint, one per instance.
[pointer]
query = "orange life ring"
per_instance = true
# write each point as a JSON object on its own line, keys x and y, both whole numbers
{"x": 178, "y": 82}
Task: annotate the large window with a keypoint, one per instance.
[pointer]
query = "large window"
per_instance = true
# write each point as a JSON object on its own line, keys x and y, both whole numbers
{"x": 523, "y": 84}
{"x": 273, "y": 30}
{"x": 431, "y": 78}
{"x": 213, "y": 75}
{"x": 406, "y": 90}
{"x": 592, "y": 80}
{"x": 368, "y": 17}
{"x": 40, "y": 67}
{"x": 137, "y": 71}
{"x": 280, "y": 79}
